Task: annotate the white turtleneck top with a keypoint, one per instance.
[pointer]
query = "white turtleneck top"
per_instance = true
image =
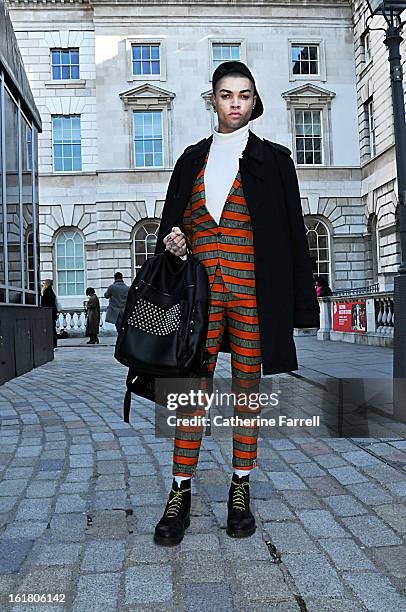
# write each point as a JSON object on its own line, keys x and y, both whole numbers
{"x": 222, "y": 167}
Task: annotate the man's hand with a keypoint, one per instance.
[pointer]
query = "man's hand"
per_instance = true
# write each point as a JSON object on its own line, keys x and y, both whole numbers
{"x": 175, "y": 242}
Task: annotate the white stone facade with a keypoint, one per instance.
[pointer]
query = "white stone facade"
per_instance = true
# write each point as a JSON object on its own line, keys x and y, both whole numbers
{"x": 378, "y": 166}
{"x": 109, "y": 198}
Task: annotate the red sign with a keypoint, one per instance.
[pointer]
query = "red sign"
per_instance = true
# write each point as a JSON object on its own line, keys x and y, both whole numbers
{"x": 350, "y": 316}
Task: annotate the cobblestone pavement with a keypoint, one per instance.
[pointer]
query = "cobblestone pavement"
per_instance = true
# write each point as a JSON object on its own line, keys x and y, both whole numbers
{"x": 81, "y": 492}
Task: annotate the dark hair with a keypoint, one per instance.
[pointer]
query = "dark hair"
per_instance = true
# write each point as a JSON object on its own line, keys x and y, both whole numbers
{"x": 233, "y": 74}
{"x": 118, "y": 276}
{"x": 321, "y": 281}
{"x": 90, "y": 291}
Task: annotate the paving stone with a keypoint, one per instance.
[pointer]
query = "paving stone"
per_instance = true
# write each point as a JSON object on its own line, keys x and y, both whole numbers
{"x": 13, "y": 554}
{"x": 143, "y": 550}
{"x": 345, "y": 505}
{"x": 275, "y": 511}
{"x": 142, "y": 469}
{"x": 376, "y": 592}
{"x": 332, "y": 604}
{"x": 347, "y": 475}
{"x": 325, "y": 485}
{"x": 108, "y": 524}
{"x": 361, "y": 458}
{"x": 261, "y": 582}
{"x": 393, "y": 558}
{"x": 302, "y": 499}
{"x": 206, "y": 541}
{"x": 110, "y": 467}
{"x": 370, "y": 493}
{"x": 286, "y": 480}
{"x": 98, "y": 592}
{"x": 141, "y": 584}
{"x": 371, "y": 531}
{"x": 81, "y": 461}
{"x": 321, "y": 524}
{"x": 289, "y": 537}
{"x": 208, "y": 597}
{"x": 12, "y": 487}
{"x": 51, "y": 580}
{"x": 62, "y": 554}
{"x": 68, "y": 527}
{"x": 384, "y": 473}
{"x": 322, "y": 580}
{"x": 34, "y": 509}
{"x": 70, "y": 503}
{"x": 293, "y": 456}
{"x": 79, "y": 475}
{"x": 253, "y": 548}
{"x": 308, "y": 469}
{"x": 192, "y": 572}
{"x": 346, "y": 554}
{"x": 397, "y": 488}
{"x": 7, "y": 503}
{"x": 103, "y": 556}
{"x": 41, "y": 489}
{"x": 110, "y": 500}
{"x": 330, "y": 460}
{"x": 24, "y": 530}
{"x": 394, "y": 515}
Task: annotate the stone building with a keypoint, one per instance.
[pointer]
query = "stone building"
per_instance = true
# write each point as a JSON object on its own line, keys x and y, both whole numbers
{"x": 124, "y": 87}
{"x": 377, "y": 150}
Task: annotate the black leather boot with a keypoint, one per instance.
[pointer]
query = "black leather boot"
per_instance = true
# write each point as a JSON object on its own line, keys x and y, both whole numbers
{"x": 176, "y": 517}
{"x": 240, "y": 520}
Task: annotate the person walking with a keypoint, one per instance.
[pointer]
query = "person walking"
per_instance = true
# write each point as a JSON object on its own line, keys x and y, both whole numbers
{"x": 234, "y": 197}
{"x": 93, "y": 316}
{"x": 48, "y": 298}
{"x": 117, "y": 296}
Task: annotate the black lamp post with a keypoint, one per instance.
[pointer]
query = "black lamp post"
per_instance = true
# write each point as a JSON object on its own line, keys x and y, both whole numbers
{"x": 391, "y": 11}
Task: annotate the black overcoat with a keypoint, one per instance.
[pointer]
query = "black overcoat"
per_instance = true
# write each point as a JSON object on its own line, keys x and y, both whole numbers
{"x": 286, "y": 297}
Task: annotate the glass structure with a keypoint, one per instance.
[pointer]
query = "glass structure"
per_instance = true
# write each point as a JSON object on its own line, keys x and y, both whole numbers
{"x": 19, "y": 243}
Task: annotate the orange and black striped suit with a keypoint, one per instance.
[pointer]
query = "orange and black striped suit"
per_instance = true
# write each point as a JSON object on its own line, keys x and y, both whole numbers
{"x": 226, "y": 250}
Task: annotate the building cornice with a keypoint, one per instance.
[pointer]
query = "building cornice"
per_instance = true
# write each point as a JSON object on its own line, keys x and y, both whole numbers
{"x": 318, "y": 4}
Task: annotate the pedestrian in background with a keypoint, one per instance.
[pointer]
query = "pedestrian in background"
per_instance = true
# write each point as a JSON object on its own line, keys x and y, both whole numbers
{"x": 117, "y": 296}
{"x": 322, "y": 287}
{"x": 48, "y": 299}
{"x": 93, "y": 316}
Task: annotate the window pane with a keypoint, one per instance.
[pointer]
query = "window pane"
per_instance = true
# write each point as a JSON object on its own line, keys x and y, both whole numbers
{"x": 145, "y": 52}
{"x": 155, "y": 52}
{"x": 12, "y": 193}
{"x": 66, "y": 143}
{"x": 136, "y": 52}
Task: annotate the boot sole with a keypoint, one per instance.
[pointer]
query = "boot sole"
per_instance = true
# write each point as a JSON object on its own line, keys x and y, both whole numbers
{"x": 241, "y": 534}
{"x": 171, "y": 541}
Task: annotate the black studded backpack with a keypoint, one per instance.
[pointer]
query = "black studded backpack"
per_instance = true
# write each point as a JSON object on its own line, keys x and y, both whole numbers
{"x": 164, "y": 324}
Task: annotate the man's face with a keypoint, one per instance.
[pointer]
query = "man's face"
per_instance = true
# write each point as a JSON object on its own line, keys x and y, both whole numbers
{"x": 234, "y": 99}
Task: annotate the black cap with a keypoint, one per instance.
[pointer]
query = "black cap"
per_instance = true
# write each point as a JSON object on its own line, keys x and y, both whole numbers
{"x": 234, "y": 66}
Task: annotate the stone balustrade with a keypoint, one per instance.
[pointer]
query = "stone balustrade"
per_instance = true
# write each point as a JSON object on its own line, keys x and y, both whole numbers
{"x": 73, "y": 320}
{"x": 380, "y": 317}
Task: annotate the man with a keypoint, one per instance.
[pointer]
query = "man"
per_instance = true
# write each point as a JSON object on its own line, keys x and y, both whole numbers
{"x": 117, "y": 296}
{"x": 234, "y": 197}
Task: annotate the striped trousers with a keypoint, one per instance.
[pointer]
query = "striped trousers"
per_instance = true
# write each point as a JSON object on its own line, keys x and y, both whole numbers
{"x": 240, "y": 314}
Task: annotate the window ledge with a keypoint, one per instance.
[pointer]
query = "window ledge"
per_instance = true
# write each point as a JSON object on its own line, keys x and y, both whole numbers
{"x": 145, "y": 77}
{"x": 307, "y": 77}
{"x": 365, "y": 68}
{"x": 66, "y": 83}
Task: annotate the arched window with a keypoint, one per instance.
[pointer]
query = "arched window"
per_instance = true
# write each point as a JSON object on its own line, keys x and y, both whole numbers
{"x": 144, "y": 242}
{"x": 70, "y": 263}
{"x": 318, "y": 238}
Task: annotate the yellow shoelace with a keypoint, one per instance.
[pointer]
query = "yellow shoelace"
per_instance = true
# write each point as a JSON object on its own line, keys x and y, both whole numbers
{"x": 239, "y": 495}
{"x": 175, "y": 503}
